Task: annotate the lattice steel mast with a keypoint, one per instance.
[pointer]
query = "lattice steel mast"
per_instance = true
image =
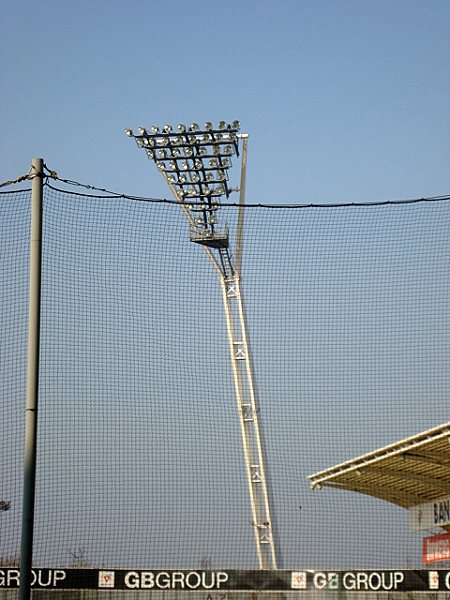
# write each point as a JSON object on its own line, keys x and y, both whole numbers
{"x": 195, "y": 163}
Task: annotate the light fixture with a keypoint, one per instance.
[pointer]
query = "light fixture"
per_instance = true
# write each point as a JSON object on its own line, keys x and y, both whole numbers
{"x": 195, "y": 162}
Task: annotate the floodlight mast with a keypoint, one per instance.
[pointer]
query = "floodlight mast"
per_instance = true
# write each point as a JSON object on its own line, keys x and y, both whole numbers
{"x": 195, "y": 164}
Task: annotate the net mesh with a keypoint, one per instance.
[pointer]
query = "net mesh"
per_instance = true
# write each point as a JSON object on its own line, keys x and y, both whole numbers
{"x": 140, "y": 457}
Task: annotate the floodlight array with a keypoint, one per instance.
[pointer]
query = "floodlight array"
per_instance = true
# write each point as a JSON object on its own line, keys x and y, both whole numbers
{"x": 195, "y": 161}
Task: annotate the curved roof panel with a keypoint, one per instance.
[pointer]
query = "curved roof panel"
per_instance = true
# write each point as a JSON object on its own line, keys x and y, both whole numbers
{"x": 407, "y": 473}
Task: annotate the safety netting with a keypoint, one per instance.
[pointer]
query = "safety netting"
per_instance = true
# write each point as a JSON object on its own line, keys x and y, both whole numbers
{"x": 140, "y": 459}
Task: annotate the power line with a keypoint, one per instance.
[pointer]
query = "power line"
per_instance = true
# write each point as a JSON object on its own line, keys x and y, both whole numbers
{"x": 51, "y": 174}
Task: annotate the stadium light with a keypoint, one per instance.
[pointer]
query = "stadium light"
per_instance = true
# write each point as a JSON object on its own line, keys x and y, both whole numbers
{"x": 196, "y": 163}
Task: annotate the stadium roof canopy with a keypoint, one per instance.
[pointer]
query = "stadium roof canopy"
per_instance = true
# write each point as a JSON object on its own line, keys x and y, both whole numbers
{"x": 407, "y": 473}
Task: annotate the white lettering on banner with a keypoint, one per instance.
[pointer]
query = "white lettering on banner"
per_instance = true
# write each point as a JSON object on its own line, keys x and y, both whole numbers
{"x": 447, "y": 580}
{"x": 9, "y": 578}
{"x": 329, "y": 581}
{"x": 176, "y": 580}
{"x": 372, "y": 581}
{"x": 39, "y": 577}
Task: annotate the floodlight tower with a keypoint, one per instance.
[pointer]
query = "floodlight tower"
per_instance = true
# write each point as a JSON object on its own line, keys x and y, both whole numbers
{"x": 195, "y": 163}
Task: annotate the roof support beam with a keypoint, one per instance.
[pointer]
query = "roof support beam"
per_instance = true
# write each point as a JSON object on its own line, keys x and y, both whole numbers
{"x": 433, "y": 458}
{"x": 423, "y": 479}
{"x": 388, "y": 494}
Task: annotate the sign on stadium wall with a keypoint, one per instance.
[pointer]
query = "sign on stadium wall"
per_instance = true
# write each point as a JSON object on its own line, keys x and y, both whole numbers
{"x": 430, "y": 514}
{"x": 436, "y": 548}
{"x": 232, "y": 580}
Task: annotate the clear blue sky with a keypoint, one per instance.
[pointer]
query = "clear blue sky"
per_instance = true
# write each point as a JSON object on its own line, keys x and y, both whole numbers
{"x": 344, "y": 100}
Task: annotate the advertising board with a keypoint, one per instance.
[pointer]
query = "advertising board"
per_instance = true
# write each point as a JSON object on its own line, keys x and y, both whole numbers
{"x": 430, "y": 514}
{"x": 361, "y": 581}
{"x": 436, "y": 548}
